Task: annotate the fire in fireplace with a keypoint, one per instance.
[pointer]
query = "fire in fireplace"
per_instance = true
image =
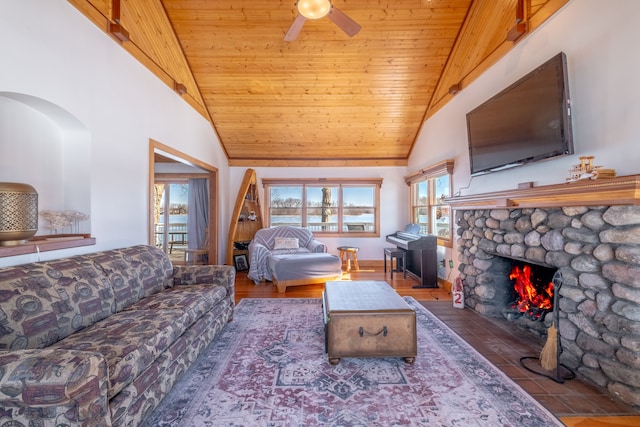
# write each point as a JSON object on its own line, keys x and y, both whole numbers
{"x": 532, "y": 291}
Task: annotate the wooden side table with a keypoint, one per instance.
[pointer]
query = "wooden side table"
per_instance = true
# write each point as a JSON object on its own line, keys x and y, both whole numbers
{"x": 348, "y": 254}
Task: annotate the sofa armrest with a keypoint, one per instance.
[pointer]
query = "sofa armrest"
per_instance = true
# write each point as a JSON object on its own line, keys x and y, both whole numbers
{"x": 54, "y": 386}
{"x": 224, "y": 275}
{"x": 316, "y": 246}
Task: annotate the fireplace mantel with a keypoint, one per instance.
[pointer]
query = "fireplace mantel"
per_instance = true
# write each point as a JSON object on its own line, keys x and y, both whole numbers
{"x": 623, "y": 190}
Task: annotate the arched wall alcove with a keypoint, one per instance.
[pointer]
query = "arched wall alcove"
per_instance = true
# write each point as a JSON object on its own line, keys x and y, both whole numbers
{"x": 44, "y": 145}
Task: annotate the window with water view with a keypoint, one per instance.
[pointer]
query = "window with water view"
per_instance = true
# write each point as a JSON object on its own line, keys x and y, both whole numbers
{"x": 170, "y": 215}
{"x": 330, "y": 207}
{"x": 429, "y": 188}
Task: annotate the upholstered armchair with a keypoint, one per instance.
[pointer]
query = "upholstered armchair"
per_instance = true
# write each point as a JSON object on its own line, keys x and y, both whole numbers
{"x": 277, "y": 241}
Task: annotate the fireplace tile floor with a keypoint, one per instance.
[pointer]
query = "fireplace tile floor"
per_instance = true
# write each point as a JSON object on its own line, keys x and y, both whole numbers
{"x": 497, "y": 341}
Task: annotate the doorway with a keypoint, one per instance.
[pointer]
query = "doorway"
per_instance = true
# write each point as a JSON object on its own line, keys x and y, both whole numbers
{"x": 171, "y": 175}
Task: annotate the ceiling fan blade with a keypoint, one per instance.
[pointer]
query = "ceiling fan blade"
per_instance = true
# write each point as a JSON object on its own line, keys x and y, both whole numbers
{"x": 295, "y": 28}
{"x": 345, "y": 23}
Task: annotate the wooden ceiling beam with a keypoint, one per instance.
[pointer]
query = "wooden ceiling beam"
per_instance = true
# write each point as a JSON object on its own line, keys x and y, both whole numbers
{"x": 520, "y": 27}
{"x": 115, "y": 26}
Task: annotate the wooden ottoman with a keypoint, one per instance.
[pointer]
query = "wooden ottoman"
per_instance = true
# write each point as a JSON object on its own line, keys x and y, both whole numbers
{"x": 367, "y": 319}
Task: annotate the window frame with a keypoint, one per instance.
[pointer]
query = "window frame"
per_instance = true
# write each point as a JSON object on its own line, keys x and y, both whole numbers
{"x": 430, "y": 175}
{"x": 340, "y": 183}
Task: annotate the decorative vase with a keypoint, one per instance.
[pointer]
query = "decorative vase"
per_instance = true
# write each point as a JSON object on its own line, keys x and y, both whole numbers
{"x": 18, "y": 213}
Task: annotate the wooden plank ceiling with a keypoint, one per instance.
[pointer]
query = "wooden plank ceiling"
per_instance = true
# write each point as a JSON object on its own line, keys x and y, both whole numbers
{"x": 324, "y": 99}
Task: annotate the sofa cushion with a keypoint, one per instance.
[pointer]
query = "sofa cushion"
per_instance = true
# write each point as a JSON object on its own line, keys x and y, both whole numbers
{"x": 268, "y": 236}
{"x": 135, "y": 400}
{"x": 193, "y": 300}
{"x": 186, "y": 275}
{"x": 299, "y": 251}
{"x": 135, "y": 272}
{"x": 47, "y": 301}
{"x": 127, "y": 289}
{"x": 302, "y": 266}
{"x": 286, "y": 243}
{"x": 130, "y": 341}
{"x": 152, "y": 265}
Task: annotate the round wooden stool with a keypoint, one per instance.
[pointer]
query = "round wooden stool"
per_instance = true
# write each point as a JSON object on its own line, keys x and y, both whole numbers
{"x": 348, "y": 254}
{"x": 400, "y": 257}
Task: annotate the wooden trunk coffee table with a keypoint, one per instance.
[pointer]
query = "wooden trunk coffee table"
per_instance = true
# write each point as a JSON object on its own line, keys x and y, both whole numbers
{"x": 367, "y": 319}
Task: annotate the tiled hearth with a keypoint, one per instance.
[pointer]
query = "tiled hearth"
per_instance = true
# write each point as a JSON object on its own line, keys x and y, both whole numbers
{"x": 503, "y": 345}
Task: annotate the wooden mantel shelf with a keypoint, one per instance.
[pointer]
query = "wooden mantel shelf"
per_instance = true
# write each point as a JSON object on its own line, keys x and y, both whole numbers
{"x": 623, "y": 190}
{"x": 48, "y": 243}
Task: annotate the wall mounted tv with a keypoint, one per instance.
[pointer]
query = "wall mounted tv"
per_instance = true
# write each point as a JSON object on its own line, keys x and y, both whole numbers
{"x": 527, "y": 122}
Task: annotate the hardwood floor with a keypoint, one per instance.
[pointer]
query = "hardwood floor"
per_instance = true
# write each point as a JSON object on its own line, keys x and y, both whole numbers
{"x": 576, "y": 403}
{"x": 245, "y": 288}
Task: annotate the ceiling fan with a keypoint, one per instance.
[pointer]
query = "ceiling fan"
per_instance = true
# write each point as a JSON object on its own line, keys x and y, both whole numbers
{"x": 317, "y": 9}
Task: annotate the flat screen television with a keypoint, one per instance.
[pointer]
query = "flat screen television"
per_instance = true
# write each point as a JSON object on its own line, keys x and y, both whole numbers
{"x": 527, "y": 122}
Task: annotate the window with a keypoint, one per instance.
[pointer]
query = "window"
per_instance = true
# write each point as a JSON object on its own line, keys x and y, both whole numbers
{"x": 420, "y": 205}
{"x": 429, "y": 189}
{"x": 440, "y": 212}
{"x": 336, "y": 206}
{"x": 322, "y": 208}
{"x": 285, "y": 205}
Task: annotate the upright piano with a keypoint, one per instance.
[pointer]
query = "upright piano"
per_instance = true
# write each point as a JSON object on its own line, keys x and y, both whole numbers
{"x": 422, "y": 258}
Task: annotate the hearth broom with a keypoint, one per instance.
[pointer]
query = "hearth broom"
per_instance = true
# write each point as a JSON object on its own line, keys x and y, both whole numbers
{"x": 550, "y": 354}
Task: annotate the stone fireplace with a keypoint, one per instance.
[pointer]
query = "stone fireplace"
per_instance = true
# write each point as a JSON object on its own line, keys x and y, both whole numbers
{"x": 592, "y": 241}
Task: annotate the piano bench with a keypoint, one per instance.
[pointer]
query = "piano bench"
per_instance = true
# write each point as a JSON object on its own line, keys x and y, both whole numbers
{"x": 348, "y": 254}
{"x": 400, "y": 256}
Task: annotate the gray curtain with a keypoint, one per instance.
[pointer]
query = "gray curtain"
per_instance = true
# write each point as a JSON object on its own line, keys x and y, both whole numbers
{"x": 198, "y": 214}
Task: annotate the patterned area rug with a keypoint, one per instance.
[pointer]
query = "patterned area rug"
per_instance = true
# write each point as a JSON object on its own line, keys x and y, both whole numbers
{"x": 269, "y": 368}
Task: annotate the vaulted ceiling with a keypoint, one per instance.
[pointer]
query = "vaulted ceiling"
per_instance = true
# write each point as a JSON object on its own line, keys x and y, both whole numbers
{"x": 323, "y": 99}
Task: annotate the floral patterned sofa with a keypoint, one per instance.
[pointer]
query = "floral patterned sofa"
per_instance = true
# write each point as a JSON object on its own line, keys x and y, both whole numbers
{"x": 99, "y": 339}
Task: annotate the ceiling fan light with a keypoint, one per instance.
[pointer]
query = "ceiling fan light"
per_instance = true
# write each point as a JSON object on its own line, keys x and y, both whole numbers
{"x": 313, "y": 9}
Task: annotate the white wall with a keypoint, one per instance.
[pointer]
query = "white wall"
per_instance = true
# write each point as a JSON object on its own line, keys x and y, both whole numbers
{"x": 601, "y": 45}
{"x": 52, "y": 52}
{"x": 394, "y": 196}
{"x": 47, "y": 148}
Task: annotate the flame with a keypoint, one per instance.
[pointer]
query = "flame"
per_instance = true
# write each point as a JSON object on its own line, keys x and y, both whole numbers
{"x": 529, "y": 296}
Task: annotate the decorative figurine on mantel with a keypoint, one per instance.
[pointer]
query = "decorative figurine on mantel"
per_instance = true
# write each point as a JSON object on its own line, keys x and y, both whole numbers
{"x": 586, "y": 170}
